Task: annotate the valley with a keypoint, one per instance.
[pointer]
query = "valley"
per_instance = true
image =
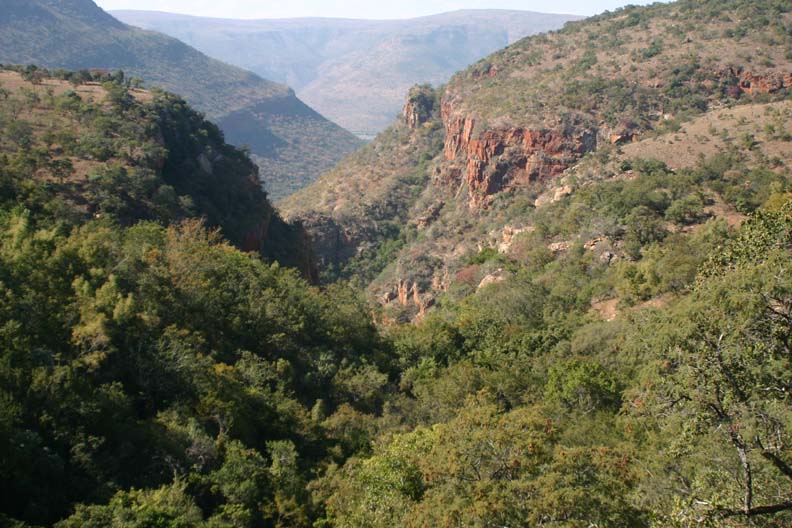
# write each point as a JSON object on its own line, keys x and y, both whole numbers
{"x": 355, "y": 72}
{"x": 291, "y": 141}
{"x": 554, "y": 292}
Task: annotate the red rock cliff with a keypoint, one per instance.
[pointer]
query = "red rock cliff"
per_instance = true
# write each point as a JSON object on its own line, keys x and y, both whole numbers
{"x": 419, "y": 107}
{"x": 497, "y": 159}
{"x": 755, "y": 84}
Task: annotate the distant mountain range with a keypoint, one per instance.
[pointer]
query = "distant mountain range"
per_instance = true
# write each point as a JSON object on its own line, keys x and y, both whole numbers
{"x": 355, "y": 72}
{"x": 291, "y": 142}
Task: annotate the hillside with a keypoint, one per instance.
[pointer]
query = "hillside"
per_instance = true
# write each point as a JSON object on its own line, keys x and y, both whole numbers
{"x": 152, "y": 333}
{"x": 77, "y": 150}
{"x": 540, "y": 119}
{"x": 293, "y": 142}
{"x": 355, "y": 72}
{"x": 579, "y": 247}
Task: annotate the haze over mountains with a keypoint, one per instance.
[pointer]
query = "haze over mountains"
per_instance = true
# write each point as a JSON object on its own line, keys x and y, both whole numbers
{"x": 355, "y": 72}
{"x": 291, "y": 142}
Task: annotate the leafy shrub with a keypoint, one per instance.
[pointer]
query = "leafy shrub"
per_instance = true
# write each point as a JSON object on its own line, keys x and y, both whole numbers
{"x": 582, "y": 386}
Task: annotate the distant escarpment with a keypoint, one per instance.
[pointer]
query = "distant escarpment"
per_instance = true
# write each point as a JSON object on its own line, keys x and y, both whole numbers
{"x": 355, "y": 72}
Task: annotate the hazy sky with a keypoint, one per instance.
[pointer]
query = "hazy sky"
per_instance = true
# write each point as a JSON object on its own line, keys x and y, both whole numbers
{"x": 357, "y": 8}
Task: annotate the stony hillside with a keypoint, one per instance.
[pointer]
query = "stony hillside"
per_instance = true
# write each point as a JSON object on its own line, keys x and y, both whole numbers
{"x": 355, "y": 72}
{"x": 293, "y": 142}
{"x": 678, "y": 88}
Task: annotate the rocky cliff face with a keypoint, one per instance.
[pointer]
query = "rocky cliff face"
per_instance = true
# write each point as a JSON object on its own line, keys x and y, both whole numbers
{"x": 256, "y": 236}
{"x": 491, "y": 160}
{"x": 754, "y": 84}
{"x": 498, "y": 159}
{"x": 419, "y": 107}
{"x": 331, "y": 244}
{"x": 409, "y": 295}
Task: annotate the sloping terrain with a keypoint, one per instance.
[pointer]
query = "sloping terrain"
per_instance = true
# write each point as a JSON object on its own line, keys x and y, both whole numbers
{"x": 580, "y": 247}
{"x": 76, "y": 34}
{"x": 141, "y": 264}
{"x": 100, "y": 149}
{"x": 529, "y": 125}
{"x": 355, "y": 72}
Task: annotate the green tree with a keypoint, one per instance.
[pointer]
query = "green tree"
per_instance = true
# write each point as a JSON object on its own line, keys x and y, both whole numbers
{"x": 583, "y": 386}
{"x": 167, "y": 507}
{"x": 61, "y": 169}
{"x": 724, "y": 378}
{"x": 485, "y": 467}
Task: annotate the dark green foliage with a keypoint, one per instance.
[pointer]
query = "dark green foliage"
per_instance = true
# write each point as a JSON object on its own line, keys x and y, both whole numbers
{"x": 721, "y": 367}
{"x": 161, "y": 351}
{"x": 583, "y": 386}
{"x": 151, "y": 374}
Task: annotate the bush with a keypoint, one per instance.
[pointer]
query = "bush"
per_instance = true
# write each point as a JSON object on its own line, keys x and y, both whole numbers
{"x": 582, "y": 386}
{"x": 685, "y": 211}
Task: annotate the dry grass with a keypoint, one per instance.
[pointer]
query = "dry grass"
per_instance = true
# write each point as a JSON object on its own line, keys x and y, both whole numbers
{"x": 607, "y": 309}
{"x": 44, "y": 119}
{"x": 13, "y": 82}
{"x": 716, "y": 132}
{"x": 530, "y": 76}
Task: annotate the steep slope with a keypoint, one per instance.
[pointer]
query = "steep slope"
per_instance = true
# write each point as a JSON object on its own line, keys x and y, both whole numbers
{"x": 75, "y": 151}
{"x": 356, "y": 72}
{"x": 293, "y": 142}
{"x": 146, "y": 342}
{"x": 530, "y": 125}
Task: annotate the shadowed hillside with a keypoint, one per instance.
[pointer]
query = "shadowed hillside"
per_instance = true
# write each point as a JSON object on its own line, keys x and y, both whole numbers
{"x": 76, "y": 34}
{"x": 81, "y": 148}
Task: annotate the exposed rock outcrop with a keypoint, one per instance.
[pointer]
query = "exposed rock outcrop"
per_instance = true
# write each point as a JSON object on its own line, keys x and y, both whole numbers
{"x": 419, "y": 106}
{"x": 493, "y": 278}
{"x": 408, "y": 294}
{"x": 497, "y": 159}
{"x": 764, "y": 84}
{"x": 509, "y": 234}
{"x": 286, "y": 243}
{"x": 331, "y": 244}
{"x": 254, "y": 238}
{"x": 430, "y": 215}
{"x": 754, "y": 84}
{"x": 625, "y": 132}
{"x": 493, "y": 159}
{"x": 560, "y": 247}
